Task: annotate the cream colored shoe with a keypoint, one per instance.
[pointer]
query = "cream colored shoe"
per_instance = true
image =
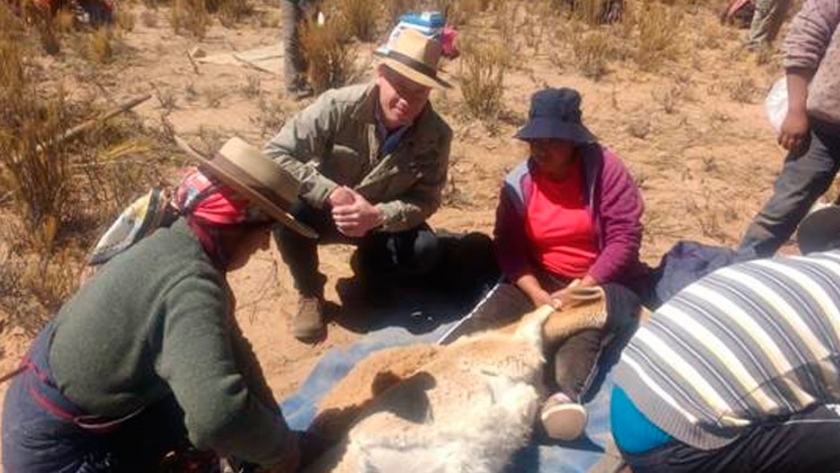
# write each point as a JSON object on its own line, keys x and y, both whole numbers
{"x": 562, "y": 418}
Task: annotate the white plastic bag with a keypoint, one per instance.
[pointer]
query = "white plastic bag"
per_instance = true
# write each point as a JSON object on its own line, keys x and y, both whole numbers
{"x": 776, "y": 103}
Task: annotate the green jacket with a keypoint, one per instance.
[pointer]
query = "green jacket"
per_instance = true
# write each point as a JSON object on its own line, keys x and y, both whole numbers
{"x": 156, "y": 320}
{"x": 334, "y": 142}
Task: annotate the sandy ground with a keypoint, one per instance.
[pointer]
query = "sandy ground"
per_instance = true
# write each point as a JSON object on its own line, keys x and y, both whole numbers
{"x": 704, "y": 161}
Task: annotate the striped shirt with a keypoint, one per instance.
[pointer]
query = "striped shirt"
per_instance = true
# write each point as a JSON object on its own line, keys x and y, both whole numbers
{"x": 742, "y": 345}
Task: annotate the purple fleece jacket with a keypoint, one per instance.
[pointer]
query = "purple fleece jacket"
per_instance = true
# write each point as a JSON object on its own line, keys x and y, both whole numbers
{"x": 613, "y": 201}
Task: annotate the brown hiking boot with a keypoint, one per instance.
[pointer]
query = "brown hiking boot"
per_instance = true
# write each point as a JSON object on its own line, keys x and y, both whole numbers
{"x": 308, "y": 324}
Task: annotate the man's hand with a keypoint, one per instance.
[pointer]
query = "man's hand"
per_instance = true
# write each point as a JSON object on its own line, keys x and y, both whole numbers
{"x": 794, "y": 133}
{"x": 356, "y": 216}
{"x": 341, "y": 195}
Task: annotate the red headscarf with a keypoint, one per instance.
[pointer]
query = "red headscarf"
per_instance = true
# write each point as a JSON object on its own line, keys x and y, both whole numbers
{"x": 208, "y": 204}
{"x": 206, "y": 199}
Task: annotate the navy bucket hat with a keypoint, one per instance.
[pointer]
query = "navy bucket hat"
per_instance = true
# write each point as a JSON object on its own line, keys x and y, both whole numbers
{"x": 555, "y": 114}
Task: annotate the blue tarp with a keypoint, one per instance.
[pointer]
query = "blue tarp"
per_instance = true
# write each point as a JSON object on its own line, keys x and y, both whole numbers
{"x": 542, "y": 455}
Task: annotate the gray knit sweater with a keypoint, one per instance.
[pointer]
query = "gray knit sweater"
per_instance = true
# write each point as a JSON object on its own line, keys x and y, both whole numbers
{"x": 153, "y": 321}
{"x": 813, "y": 44}
{"x": 742, "y": 345}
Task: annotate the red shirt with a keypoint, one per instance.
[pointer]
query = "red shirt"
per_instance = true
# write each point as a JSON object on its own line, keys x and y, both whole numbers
{"x": 560, "y": 226}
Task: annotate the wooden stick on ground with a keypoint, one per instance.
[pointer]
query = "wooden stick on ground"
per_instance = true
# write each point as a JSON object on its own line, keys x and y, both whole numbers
{"x": 82, "y": 127}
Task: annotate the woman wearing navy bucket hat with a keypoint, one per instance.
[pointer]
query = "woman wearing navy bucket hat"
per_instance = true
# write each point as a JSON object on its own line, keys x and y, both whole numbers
{"x": 568, "y": 215}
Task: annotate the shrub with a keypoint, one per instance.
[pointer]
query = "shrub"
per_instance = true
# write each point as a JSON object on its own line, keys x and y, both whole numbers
{"x": 190, "y": 16}
{"x": 99, "y": 47}
{"x": 591, "y": 53}
{"x": 658, "y": 35}
{"x": 483, "y": 67}
{"x": 359, "y": 17}
{"x": 35, "y": 164}
{"x": 327, "y": 55}
{"x": 230, "y": 12}
{"x": 396, "y": 8}
{"x": 742, "y": 90}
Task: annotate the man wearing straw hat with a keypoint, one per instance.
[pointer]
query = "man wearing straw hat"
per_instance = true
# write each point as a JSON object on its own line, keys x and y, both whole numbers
{"x": 372, "y": 161}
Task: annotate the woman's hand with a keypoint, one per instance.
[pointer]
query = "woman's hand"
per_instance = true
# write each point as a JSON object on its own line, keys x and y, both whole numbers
{"x": 541, "y": 298}
{"x": 529, "y": 284}
{"x": 564, "y": 295}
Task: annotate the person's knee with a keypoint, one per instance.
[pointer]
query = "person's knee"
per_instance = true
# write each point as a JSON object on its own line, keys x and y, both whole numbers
{"x": 575, "y": 362}
{"x": 427, "y": 253}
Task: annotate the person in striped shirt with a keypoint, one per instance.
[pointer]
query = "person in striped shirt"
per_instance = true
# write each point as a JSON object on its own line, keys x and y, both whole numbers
{"x": 737, "y": 373}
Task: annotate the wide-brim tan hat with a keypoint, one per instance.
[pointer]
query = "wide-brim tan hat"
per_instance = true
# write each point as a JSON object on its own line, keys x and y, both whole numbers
{"x": 255, "y": 177}
{"x": 415, "y": 56}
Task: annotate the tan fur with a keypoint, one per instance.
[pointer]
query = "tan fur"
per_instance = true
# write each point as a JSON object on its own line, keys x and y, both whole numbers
{"x": 368, "y": 379}
{"x": 468, "y": 409}
{"x": 574, "y": 316}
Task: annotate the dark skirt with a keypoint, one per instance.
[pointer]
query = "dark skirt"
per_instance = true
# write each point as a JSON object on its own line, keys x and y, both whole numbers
{"x": 45, "y": 432}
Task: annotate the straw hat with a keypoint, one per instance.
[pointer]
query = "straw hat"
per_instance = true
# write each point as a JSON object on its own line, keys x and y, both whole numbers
{"x": 260, "y": 180}
{"x": 415, "y": 56}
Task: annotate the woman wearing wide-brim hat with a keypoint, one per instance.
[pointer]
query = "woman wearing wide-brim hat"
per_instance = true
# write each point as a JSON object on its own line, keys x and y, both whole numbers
{"x": 569, "y": 214}
{"x": 146, "y": 358}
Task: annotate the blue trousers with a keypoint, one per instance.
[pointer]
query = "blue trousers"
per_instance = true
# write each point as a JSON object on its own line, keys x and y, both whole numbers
{"x": 803, "y": 179}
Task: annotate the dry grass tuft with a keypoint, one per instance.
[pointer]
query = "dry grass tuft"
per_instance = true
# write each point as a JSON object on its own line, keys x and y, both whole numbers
{"x": 460, "y": 12}
{"x": 765, "y": 55}
{"x": 668, "y": 98}
{"x": 252, "y": 87}
{"x": 396, "y": 8}
{"x": 125, "y": 19}
{"x": 588, "y": 11}
{"x": 64, "y": 21}
{"x": 99, "y": 46}
{"x": 166, "y": 98}
{"x": 190, "y": 16}
{"x": 229, "y": 12}
{"x": 35, "y": 165}
{"x": 327, "y": 54}
{"x": 58, "y": 191}
{"x": 639, "y": 127}
{"x": 659, "y": 38}
{"x": 591, "y": 53}
{"x": 483, "y": 67}
{"x": 742, "y": 90}
{"x": 271, "y": 117}
{"x": 359, "y": 17}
